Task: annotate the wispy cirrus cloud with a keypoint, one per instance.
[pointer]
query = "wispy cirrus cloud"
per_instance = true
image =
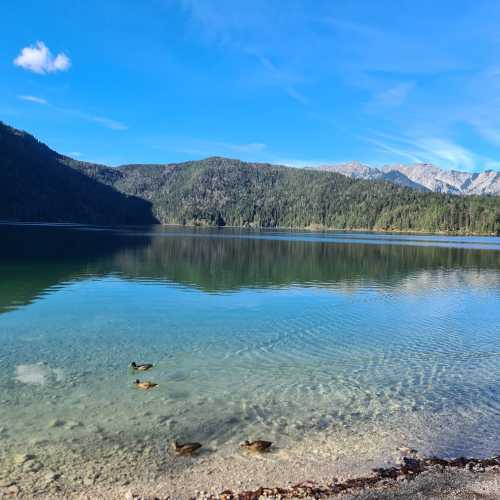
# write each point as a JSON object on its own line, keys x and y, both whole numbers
{"x": 101, "y": 120}
{"x": 281, "y": 78}
{"x": 439, "y": 151}
{"x": 33, "y": 98}
{"x": 204, "y": 147}
{"x": 38, "y": 58}
{"x": 391, "y": 97}
{"x": 395, "y": 150}
{"x": 242, "y": 28}
{"x": 448, "y": 152}
{"x": 304, "y": 163}
{"x": 374, "y": 49}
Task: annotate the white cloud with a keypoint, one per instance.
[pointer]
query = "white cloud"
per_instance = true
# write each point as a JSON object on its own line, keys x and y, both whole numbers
{"x": 33, "y": 98}
{"x": 75, "y": 154}
{"x": 38, "y": 59}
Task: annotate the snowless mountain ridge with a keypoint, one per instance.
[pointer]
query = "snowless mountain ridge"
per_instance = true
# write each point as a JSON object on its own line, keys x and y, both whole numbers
{"x": 424, "y": 177}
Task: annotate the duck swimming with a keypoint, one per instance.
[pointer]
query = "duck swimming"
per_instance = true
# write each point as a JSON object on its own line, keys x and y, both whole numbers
{"x": 185, "y": 448}
{"x": 145, "y": 385}
{"x": 140, "y": 367}
{"x": 258, "y": 446}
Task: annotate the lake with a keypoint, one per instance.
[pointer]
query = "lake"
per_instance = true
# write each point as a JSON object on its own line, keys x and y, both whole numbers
{"x": 358, "y": 343}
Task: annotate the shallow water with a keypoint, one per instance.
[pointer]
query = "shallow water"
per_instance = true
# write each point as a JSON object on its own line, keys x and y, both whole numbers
{"x": 292, "y": 336}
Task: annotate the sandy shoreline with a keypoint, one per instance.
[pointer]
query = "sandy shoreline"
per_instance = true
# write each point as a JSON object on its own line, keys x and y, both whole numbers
{"x": 199, "y": 477}
{"x": 433, "y": 482}
{"x": 102, "y": 465}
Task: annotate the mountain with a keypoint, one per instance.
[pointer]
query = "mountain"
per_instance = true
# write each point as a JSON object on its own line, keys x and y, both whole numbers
{"x": 357, "y": 170}
{"x": 38, "y": 184}
{"x": 424, "y": 177}
{"x": 221, "y": 191}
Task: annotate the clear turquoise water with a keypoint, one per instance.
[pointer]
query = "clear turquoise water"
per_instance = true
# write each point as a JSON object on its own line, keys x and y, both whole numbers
{"x": 292, "y": 336}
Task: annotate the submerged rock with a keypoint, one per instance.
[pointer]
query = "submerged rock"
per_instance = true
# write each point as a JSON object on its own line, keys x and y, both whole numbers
{"x": 73, "y": 425}
{"x": 32, "y": 466}
{"x": 407, "y": 450}
{"x": 21, "y": 458}
{"x": 51, "y": 476}
{"x": 56, "y": 423}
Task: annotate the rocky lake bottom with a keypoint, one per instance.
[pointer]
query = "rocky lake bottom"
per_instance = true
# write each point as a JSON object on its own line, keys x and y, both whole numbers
{"x": 341, "y": 349}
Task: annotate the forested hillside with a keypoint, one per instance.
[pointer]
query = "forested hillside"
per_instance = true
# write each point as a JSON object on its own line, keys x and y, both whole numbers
{"x": 219, "y": 191}
{"x": 38, "y": 184}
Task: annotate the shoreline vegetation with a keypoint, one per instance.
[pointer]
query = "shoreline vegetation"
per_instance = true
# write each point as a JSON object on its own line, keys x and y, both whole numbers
{"x": 311, "y": 229}
{"x": 324, "y": 229}
{"x": 39, "y": 184}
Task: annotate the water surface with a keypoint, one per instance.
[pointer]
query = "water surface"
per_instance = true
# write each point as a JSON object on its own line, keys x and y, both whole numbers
{"x": 293, "y": 336}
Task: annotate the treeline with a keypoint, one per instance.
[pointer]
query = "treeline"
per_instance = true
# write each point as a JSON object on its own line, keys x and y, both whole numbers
{"x": 219, "y": 191}
{"x": 38, "y": 184}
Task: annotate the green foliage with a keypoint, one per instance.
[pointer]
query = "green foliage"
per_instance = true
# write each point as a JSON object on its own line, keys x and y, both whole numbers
{"x": 219, "y": 191}
{"x": 38, "y": 184}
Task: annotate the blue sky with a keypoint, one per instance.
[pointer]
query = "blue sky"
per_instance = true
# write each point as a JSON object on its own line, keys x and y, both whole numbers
{"x": 294, "y": 82}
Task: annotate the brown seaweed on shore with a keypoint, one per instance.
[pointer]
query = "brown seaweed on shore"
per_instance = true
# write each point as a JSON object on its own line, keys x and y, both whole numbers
{"x": 409, "y": 469}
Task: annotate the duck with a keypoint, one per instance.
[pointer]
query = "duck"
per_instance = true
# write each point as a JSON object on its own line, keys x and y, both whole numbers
{"x": 185, "y": 448}
{"x": 259, "y": 445}
{"x": 140, "y": 367}
{"x": 145, "y": 385}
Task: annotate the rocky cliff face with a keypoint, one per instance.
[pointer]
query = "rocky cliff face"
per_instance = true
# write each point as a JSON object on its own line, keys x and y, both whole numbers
{"x": 424, "y": 177}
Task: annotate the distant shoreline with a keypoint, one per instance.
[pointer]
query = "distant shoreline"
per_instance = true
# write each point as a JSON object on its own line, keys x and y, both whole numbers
{"x": 312, "y": 229}
{"x": 321, "y": 229}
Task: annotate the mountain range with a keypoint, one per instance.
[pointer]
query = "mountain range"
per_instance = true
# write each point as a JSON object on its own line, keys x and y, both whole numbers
{"x": 39, "y": 184}
{"x": 424, "y": 177}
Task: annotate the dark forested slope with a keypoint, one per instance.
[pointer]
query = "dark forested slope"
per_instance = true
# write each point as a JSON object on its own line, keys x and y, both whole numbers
{"x": 38, "y": 184}
{"x": 220, "y": 191}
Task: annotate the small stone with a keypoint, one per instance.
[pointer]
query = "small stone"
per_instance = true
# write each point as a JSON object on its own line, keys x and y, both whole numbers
{"x": 51, "y": 476}
{"x": 161, "y": 419}
{"x": 21, "y": 458}
{"x": 407, "y": 451}
{"x": 32, "y": 466}
{"x": 13, "y": 490}
{"x": 56, "y": 423}
{"x": 73, "y": 425}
